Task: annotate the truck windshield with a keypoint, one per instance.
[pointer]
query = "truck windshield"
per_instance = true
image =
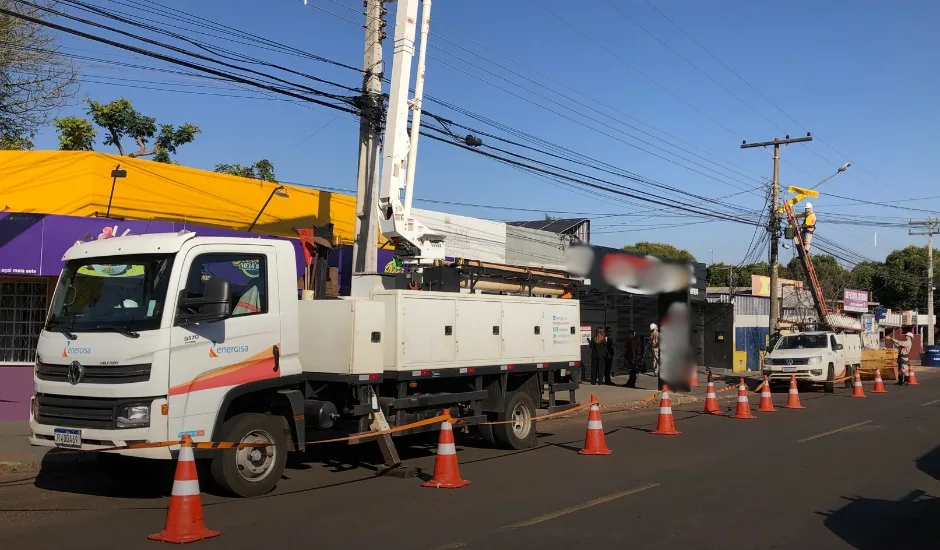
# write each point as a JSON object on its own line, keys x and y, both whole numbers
{"x": 119, "y": 294}
{"x": 801, "y": 341}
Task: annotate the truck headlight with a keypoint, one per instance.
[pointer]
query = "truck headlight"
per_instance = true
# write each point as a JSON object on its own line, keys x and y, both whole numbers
{"x": 768, "y": 361}
{"x": 133, "y": 415}
{"x": 816, "y": 372}
{"x": 814, "y": 360}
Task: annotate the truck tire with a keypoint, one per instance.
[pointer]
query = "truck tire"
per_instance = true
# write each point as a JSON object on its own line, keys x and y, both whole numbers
{"x": 830, "y": 386}
{"x": 520, "y": 434}
{"x": 251, "y": 472}
{"x": 849, "y": 371}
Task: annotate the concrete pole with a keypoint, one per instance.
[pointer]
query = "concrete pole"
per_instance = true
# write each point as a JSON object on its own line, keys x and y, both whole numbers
{"x": 774, "y": 240}
{"x": 365, "y": 246}
{"x": 930, "y": 323}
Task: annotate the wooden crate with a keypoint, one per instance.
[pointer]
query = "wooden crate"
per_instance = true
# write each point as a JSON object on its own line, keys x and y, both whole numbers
{"x": 879, "y": 359}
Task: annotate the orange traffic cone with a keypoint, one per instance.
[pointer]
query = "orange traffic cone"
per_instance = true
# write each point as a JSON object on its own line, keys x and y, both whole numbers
{"x": 184, "y": 521}
{"x": 693, "y": 379}
{"x": 879, "y": 383}
{"x": 744, "y": 405}
{"x": 911, "y": 379}
{"x": 594, "y": 442}
{"x": 711, "y": 400}
{"x": 857, "y": 389}
{"x": 766, "y": 398}
{"x": 793, "y": 398}
{"x": 446, "y": 472}
{"x": 666, "y": 424}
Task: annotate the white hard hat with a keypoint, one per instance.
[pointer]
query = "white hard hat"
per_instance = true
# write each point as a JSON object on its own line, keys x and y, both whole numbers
{"x": 652, "y": 326}
{"x": 909, "y": 334}
{"x": 809, "y": 206}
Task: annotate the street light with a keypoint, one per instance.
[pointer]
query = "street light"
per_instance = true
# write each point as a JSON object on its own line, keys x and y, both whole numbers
{"x": 841, "y": 169}
{"x": 115, "y": 174}
{"x": 279, "y": 191}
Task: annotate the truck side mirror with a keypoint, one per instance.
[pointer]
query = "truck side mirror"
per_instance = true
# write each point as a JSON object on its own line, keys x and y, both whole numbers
{"x": 837, "y": 347}
{"x": 215, "y": 304}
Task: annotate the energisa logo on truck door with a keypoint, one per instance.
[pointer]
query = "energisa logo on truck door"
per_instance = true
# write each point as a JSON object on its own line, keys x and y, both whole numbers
{"x": 69, "y": 350}
{"x": 216, "y": 350}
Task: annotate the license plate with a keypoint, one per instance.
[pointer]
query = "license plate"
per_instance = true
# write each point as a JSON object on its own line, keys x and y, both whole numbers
{"x": 789, "y": 369}
{"x": 68, "y": 438}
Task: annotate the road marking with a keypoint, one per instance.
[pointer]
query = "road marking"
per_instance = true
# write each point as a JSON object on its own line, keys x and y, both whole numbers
{"x": 451, "y": 546}
{"x": 578, "y": 507}
{"x": 835, "y": 431}
{"x": 931, "y": 402}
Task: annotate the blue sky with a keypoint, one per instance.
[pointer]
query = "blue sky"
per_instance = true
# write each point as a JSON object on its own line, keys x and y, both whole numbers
{"x": 860, "y": 75}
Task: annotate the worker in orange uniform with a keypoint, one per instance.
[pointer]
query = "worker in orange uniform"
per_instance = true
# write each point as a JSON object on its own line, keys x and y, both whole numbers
{"x": 809, "y": 225}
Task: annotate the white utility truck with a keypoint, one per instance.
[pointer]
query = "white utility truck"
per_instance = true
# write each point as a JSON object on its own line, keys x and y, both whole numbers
{"x": 815, "y": 358}
{"x": 155, "y": 336}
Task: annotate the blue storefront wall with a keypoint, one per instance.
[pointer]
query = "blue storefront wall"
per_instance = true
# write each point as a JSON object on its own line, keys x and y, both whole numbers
{"x": 751, "y": 319}
{"x": 751, "y": 340}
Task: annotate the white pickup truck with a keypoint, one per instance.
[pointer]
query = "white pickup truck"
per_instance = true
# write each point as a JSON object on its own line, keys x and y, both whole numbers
{"x": 814, "y": 358}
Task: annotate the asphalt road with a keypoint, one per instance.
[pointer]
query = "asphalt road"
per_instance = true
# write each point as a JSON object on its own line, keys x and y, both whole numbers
{"x": 842, "y": 473}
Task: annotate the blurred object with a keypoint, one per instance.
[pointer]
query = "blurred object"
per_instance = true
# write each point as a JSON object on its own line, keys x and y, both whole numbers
{"x": 633, "y": 273}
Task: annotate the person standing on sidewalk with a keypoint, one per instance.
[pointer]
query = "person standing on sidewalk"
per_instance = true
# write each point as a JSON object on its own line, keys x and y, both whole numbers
{"x": 632, "y": 358}
{"x": 904, "y": 356}
{"x": 609, "y": 360}
{"x": 654, "y": 347}
{"x": 598, "y": 354}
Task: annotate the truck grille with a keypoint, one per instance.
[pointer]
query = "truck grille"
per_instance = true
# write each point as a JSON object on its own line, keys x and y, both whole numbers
{"x": 81, "y": 412}
{"x": 791, "y": 361}
{"x": 96, "y": 374}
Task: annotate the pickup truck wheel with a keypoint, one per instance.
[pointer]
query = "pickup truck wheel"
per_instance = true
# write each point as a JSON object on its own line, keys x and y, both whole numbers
{"x": 520, "y": 434}
{"x": 830, "y": 386}
{"x": 251, "y": 471}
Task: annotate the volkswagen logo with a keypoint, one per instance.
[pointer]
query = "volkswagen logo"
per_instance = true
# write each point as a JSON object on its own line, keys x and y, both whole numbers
{"x": 76, "y": 373}
{"x": 789, "y": 362}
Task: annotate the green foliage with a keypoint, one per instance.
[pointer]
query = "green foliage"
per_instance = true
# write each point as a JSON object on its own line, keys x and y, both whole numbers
{"x": 660, "y": 250}
{"x": 75, "y": 134}
{"x": 120, "y": 120}
{"x": 262, "y": 170}
{"x": 718, "y": 274}
{"x": 15, "y": 143}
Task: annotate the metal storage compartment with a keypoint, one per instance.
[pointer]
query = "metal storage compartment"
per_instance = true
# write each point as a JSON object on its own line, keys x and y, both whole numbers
{"x": 445, "y": 330}
{"x": 341, "y": 336}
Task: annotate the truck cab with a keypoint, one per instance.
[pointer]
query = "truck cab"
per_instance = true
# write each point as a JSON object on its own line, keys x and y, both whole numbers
{"x": 815, "y": 358}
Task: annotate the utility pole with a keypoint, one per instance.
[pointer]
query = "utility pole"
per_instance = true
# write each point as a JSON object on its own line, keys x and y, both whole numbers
{"x": 932, "y": 227}
{"x": 365, "y": 252}
{"x": 773, "y": 222}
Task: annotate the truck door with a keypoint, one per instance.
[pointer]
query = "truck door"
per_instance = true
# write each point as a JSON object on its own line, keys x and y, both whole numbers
{"x": 208, "y": 359}
{"x": 839, "y": 356}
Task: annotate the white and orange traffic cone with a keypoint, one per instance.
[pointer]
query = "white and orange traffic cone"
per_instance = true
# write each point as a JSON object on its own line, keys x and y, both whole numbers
{"x": 766, "y": 398}
{"x": 711, "y": 400}
{"x": 857, "y": 389}
{"x": 879, "y": 383}
{"x": 446, "y": 471}
{"x": 911, "y": 379}
{"x": 793, "y": 396}
{"x": 744, "y": 405}
{"x": 184, "y": 520}
{"x": 666, "y": 425}
{"x": 594, "y": 442}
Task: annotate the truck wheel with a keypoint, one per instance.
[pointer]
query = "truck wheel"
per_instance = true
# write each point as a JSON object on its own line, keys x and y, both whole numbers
{"x": 251, "y": 472}
{"x": 849, "y": 371}
{"x": 520, "y": 434}
{"x": 830, "y": 386}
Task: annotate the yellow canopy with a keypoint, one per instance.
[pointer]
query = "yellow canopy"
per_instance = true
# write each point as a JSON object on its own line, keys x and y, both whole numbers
{"x": 77, "y": 183}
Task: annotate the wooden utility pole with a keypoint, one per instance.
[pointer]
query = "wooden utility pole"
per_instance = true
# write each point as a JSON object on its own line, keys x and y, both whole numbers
{"x": 365, "y": 247}
{"x": 931, "y": 227}
{"x": 773, "y": 222}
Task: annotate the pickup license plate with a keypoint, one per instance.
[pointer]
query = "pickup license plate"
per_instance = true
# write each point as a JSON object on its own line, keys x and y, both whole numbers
{"x": 68, "y": 438}
{"x": 789, "y": 369}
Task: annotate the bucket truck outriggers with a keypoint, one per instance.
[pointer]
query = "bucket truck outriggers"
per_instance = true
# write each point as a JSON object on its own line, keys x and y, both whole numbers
{"x": 151, "y": 337}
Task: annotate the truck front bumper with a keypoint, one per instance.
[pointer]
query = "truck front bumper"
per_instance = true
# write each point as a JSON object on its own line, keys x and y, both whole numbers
{"x": 803, "y": 373}
{"x": 43, "y": 435}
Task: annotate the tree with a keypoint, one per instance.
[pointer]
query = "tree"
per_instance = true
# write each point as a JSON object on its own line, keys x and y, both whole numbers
{"x": 35, "y": 79}
{"x": 262, "y": 170}
{"x": 833, "y": 278}
{"x": 120, "y": 120}
{"x": 903, "y": 282}
{"x": 660, "y": 250}
{"x": 718, "y": 274}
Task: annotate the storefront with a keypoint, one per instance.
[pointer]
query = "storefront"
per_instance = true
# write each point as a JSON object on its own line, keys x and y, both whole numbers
{"x": 31, "y": 249}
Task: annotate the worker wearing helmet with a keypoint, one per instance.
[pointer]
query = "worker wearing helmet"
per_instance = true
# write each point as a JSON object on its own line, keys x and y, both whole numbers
{"x": 808, "y": 227}
{"x": 904, "y": 352}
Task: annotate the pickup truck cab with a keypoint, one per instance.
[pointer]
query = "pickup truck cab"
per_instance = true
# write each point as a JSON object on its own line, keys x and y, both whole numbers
{"x": 815, "y": 358}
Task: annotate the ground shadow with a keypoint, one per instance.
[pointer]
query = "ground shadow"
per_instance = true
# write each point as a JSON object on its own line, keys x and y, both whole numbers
{"x": 875, "y": 524}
